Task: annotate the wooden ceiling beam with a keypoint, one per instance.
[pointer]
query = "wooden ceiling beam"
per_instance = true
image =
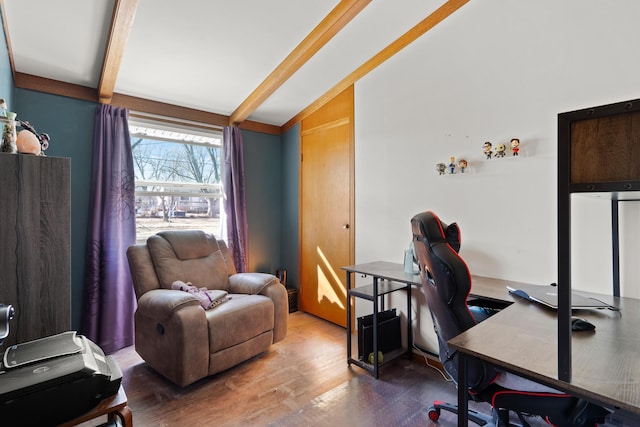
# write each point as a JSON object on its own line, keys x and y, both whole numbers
{"x": 55, "y": 87}
{"x": 70, "y": 90}
{"x": 396, "y": 46}
{"x": 335, "y": 21}
{"x": 124, "y": 12}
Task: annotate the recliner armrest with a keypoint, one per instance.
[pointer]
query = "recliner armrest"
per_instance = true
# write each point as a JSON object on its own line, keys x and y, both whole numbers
{"x": 250, "y": 283}
{"x": 160, "y": 304}
{"x": 172, "y": 335}
{"x": 269, "y": 286}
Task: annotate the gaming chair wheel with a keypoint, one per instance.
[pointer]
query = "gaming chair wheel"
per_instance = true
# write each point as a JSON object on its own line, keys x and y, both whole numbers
{"x": 434, "y": 413}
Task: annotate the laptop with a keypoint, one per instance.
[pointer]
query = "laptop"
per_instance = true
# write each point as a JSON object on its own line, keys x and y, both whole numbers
{"x": 548, "y": 296}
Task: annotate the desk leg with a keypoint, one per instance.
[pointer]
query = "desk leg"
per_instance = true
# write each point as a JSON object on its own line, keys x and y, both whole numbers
{"x": 409, "y": 324}
{"x": 375, "y": 329}
{"x": 463, "y": 395}
{"x": 125, "y": 415}
{"x": 348, "y": 306}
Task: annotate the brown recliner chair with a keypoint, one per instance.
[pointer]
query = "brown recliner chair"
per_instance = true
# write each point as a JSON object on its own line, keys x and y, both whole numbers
{"x": 174, "y": 334}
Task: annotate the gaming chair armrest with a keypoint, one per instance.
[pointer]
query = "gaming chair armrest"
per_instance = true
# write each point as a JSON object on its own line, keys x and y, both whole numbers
{"x": 584, "y": 413}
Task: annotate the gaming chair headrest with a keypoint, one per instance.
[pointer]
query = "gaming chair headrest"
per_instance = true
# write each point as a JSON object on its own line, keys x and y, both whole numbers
{"x": 428, "y": 226}
{"x": 437, "y": 245}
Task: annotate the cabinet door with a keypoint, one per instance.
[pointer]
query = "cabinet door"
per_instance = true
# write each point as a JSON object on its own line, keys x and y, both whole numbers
{"x": 606, "y": 149}
{"x": 35, "y": 268}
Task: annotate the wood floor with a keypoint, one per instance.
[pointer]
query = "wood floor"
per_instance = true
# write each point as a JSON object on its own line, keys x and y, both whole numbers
{"x": 301, "y": 381}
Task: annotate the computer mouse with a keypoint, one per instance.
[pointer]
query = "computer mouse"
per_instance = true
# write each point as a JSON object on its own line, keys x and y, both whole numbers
{"x": 578, "y": 324}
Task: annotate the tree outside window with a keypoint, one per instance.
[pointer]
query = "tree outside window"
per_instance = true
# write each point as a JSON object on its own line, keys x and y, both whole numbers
{"x": 178, "y": 178}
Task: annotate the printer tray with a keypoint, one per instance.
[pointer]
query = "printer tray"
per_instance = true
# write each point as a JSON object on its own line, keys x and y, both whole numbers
{"x": 54, "y": 389}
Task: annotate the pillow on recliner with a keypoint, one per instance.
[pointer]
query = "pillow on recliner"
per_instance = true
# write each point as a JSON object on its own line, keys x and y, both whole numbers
{"x": 205, "y": 264}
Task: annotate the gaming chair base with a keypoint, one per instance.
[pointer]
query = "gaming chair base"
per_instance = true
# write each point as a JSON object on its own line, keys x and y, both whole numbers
{"x": 496, "y": 419}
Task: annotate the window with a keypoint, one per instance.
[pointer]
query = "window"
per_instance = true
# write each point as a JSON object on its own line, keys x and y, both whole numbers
{"x": 178, "y": 177}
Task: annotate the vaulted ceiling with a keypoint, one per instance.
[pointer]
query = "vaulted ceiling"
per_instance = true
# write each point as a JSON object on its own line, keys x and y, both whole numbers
{"x": 244, "y": 61}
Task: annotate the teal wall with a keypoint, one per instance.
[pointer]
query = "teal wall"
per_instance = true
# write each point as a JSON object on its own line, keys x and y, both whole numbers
{"x": 289, "y": 249}
{"x": 6, "y": 78}
{"x": 262, "y": 167}
{"x": 69, "y": 123}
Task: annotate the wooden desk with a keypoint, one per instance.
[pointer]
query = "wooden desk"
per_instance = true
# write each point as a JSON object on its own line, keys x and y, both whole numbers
{"x": 389, "y": 277}
{"x": 606, "y": 367}
{"x": 113, "y": 407}
{"x": 492, "y": 289}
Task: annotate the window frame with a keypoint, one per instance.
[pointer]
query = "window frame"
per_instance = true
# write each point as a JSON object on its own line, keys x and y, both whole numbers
{"x": 179, "y": 189}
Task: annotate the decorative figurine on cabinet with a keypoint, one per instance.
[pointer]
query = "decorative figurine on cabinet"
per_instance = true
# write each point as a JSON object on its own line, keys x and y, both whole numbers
{"x": 452, "y": 165}
{"x": 441, "y": 168}
{"x": 462, "y": 164}
{"x": 515, "y": 146}
{"x": 486, "y": 148}
{"x": 8, "y": 125}
{"x": 30, "y": 141}
{"x": 500, "y": 150}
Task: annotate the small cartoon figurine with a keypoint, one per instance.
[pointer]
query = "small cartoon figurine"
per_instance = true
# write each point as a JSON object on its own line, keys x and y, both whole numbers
{"x": 500, "y": 150}
{"x": 452, "y": 165}
{"x": 462, "y": 164}
{"x": 32, "y": 142}
{"x": 486, "y": 147}
{"x": 515, "y": 146}
{"x": 441, "y": 168}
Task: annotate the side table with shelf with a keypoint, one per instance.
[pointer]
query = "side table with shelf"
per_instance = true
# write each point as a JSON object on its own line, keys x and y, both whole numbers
{"x": 114, "y": 407}
{"x": 387, "y": 277}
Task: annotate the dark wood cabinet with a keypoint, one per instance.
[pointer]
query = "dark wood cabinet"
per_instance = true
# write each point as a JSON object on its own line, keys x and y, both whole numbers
{"x": 35, "y": 259}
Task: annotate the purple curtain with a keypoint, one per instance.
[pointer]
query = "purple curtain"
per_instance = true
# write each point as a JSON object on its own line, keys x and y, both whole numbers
{"x": 109, "y": 297}
{"x": 235, "y": 205}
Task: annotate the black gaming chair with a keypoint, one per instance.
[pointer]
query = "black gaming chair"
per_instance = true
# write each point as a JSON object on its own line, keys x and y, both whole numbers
{"x": 446, "y": 283}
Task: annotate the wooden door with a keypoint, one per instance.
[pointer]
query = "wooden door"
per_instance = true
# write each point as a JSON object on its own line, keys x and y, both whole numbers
{"x": 326, "y": 212}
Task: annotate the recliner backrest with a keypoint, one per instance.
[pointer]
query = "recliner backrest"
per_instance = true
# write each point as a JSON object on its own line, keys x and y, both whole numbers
{"x": 190, "y": 256}
{"x": 446, "y": 283}
{"x": 187, "y": 255}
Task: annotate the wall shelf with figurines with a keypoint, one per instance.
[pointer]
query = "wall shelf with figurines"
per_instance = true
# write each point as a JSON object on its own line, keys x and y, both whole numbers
{"x": 501, "y": 149}
{"x": 453, "y": 167}
{"x": 461, "y": 165}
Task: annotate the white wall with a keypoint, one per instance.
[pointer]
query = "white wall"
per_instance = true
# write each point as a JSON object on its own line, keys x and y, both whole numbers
{"x": 494, "y": 70}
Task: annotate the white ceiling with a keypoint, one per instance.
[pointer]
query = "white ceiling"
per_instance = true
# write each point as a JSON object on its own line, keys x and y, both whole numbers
{"x": 204, "y": 54}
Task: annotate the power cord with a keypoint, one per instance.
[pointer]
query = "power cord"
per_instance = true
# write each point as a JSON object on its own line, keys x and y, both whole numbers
{"x": 425, "y": 353}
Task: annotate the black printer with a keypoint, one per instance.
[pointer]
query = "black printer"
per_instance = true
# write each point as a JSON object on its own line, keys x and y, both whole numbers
{"x": 54, "y": 379}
